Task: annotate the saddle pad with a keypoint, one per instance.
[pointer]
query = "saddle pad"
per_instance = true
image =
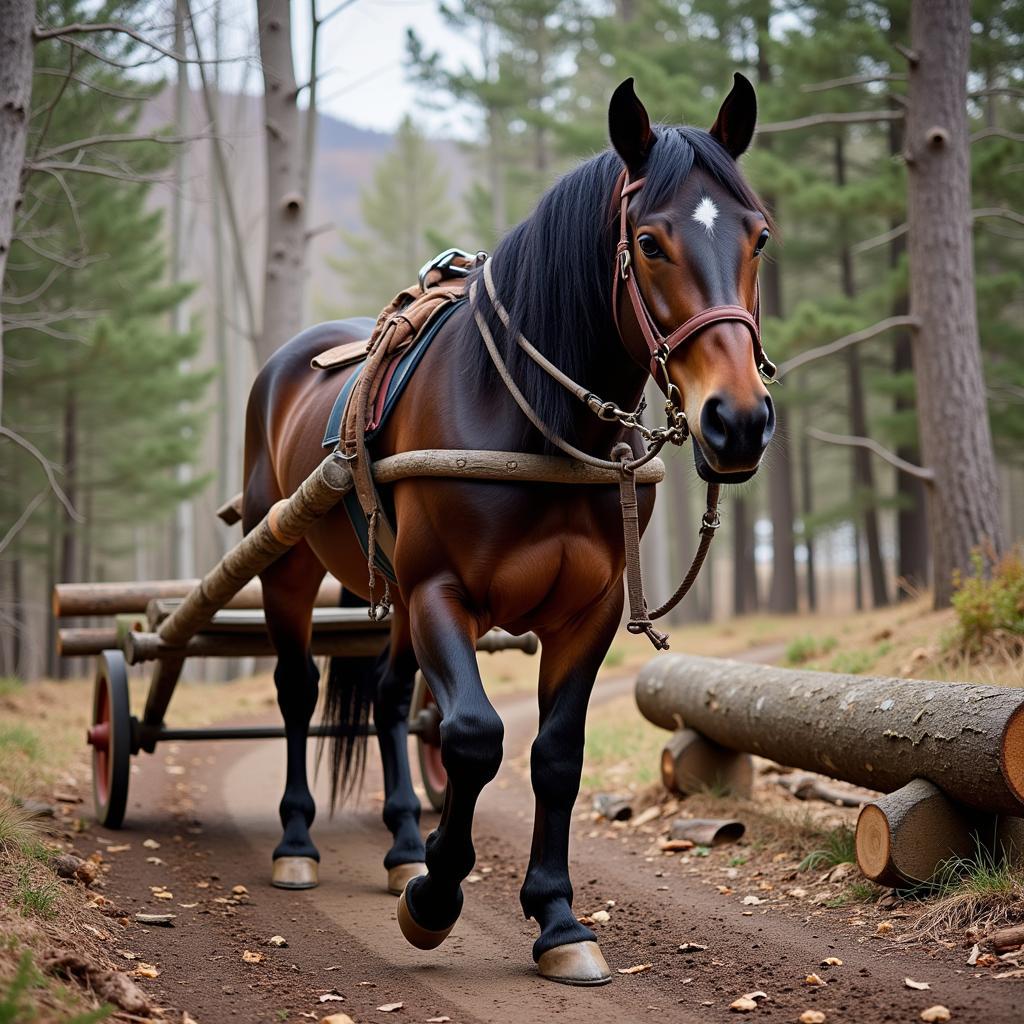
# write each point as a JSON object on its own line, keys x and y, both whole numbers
{"x": 341, "y": 355}
{"x": 398, "y": 377}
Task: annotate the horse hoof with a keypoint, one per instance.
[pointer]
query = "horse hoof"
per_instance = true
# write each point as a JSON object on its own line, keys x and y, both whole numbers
{"x": 575, "y": 963}
{"x": 295, "y": 873}
{"x": 420, "y": 937}
{"x": 401, "y": 874}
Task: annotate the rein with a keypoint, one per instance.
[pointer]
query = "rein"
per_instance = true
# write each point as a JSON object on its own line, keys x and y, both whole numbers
{"x": 676, "y": 430}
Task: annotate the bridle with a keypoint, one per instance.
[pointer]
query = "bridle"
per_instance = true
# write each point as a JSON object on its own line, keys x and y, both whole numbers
{"x": 659, "y": 345}
{"x": 676, "y": 431}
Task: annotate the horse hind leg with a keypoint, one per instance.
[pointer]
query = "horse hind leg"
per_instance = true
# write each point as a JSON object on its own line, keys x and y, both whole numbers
{"x": 289, "y": 593}
{"x": 405, "y": 859}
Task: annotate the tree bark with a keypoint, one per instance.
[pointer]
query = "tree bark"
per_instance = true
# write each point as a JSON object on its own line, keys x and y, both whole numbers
{"x": 782, "y": 595}
{"x": 744, "y": 565}
{"x": 806, "y": 511}
{"x": 286, "y": 202}
{"x": 863, "y": 471}
{"x": 17, "y": 19}
{"x": 874, "y": 732}
{"x": 956, "y": 439}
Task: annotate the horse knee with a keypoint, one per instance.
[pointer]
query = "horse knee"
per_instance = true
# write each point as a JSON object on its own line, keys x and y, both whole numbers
{"x": 471, "y": 741}
{"x": 297, "y": 684}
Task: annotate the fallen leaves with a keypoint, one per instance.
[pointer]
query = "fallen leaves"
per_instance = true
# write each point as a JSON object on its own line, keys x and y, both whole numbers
{"x": 812, "y": 1017}
{"x": 120, "y": 848}
{"x": 156, "y": 920}
{"x": 920, "y": 986}
{"x": 150, "y": 844}
{"x": 935, "y": 1014}
{"x": 277, "y": 941}
{"x": 335, "y": 1018}
{"x": 752, "y": 901}
{"x": 334, "y": 996}
{"x": 675, "y": 845}
{"x": 884, "y": 927}
{"x": 635, "y": 969}
{"x": 600, "y": 917}
{"x": 144, "y": 970}
{"x": 251, "y": 957}
{"x": 390, "y": 1007}
{"x": 161, "y": 892}
{"x": 747, "y": 1003}
{"x": 438, "y": 1020}
{"x": 831, "y": 961}
{"x": 691, "y": 947}
{"x": 239, "y": 890}
{"x": 815, "y": 980}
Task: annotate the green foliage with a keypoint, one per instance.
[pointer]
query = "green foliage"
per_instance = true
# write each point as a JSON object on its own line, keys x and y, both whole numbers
{"x": 19, "y": 741}
{"x": 34, "y": 898}
{"x": 989, "y": 604}
{"x": 806, "y": 648}
{"x": 93, "y": 375}
{"x": 839, "y": 848}
{"x": 406, "y": 215}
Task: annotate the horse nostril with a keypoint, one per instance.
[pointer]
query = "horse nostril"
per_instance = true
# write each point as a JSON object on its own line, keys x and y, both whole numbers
{"x": 769, "y": 421}
{"x": 714, "y": 424}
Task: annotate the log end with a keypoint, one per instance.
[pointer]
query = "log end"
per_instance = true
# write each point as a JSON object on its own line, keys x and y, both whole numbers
{"x": 873, "y": 843}
{"x": 1013, "y": 753}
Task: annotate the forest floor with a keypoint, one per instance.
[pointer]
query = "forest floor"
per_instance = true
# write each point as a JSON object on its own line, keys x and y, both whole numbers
{"x": 767, "y": 911}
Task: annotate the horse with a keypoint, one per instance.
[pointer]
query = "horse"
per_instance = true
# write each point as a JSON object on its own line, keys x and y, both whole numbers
{"x": 470, "y": 554}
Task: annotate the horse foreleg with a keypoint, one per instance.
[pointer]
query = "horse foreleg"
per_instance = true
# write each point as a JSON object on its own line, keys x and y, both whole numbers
{"x": 444, "y": 637}
{"x": 405, "y": 859}
{"x": 289, "y": 592}
{"x": 565, "y": 951}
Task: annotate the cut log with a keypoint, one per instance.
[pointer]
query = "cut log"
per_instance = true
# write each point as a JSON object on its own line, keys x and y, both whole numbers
{"x": 874, "y": 732}
{"x": 904, "y": 838}
{"x": 1005, "y": 939}
{"x": 691, "y": 763}
{"x": 708, "y": 831}
{"x": 72, "y": 600}
{"x": 814, "y": 787}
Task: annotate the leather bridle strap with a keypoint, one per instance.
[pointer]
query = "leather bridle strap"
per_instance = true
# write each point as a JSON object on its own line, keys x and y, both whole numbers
{"x": 659, "y": 345}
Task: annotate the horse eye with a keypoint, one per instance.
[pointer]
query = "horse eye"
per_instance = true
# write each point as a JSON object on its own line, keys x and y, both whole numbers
{"x": 762, "y": 242}
{"x": 649, "y": 247}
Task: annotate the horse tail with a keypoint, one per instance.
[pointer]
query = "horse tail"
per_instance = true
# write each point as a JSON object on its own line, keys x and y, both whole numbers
{"x": 351, "y": 688}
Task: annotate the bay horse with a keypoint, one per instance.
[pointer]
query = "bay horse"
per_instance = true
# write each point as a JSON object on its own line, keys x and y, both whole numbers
{"x": 470, "y": 555}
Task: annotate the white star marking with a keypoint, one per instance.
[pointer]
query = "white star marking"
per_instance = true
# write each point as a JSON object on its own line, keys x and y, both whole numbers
{"x": 706, "y": 214}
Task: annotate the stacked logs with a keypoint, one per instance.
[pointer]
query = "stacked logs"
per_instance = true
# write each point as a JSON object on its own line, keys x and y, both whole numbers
{"x": 949, "y": 756}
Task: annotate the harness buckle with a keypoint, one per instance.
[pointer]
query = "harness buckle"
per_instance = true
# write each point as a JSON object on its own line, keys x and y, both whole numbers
{"x": 445, "y": 263}
{"x": 710, "y": 521}
{"x": 625, "y": 261}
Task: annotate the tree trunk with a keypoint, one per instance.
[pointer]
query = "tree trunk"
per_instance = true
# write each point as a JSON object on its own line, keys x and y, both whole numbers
{"x": 286, "y": 203}
{"x": 863, "y": 472}
{"x": 744, "y": 565}
{"x": 872, "y": 731}
{"x": 17, "y": 19}
{"x": 782, "y": 596}
{"x": 806, "y": 511}
{"x": 956, "y": 440}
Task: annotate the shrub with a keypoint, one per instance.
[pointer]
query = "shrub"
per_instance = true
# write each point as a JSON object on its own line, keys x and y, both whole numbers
{"x": 989, "y": 606}
{"x": 807, "y": 648}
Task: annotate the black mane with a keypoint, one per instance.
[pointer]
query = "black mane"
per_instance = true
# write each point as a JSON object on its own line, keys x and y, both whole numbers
{"x": 553, "y": 272}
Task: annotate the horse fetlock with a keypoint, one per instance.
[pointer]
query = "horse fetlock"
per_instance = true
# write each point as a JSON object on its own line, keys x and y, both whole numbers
{"x": 559, "y": 927}
{"x": 434, "y": 905}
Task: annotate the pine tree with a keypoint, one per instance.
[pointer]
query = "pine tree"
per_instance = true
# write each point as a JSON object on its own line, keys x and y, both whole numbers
{"x": 405, "y": 210}
{"x": 94, "y": 378}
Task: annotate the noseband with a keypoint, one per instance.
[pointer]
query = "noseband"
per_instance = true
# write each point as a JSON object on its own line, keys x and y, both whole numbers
{"x": 659, "y": 345}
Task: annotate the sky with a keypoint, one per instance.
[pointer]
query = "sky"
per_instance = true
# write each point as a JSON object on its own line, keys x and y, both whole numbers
{"x": 362, "y": 52}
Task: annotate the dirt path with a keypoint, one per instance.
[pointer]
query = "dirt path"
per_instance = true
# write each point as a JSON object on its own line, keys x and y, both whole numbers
{"x": 212, "y": 809}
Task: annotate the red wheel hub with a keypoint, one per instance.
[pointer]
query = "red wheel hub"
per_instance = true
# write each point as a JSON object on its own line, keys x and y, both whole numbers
{"x": 99, "y": 739}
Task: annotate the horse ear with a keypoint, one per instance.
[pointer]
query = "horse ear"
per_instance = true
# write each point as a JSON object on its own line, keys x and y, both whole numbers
{"x": 734, "y": 126}
{"x": 629, "y": 127}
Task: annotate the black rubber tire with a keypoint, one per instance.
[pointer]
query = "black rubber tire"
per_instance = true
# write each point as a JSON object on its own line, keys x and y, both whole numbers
{"x": 111, "y": 768}
{"x": 432, "y": 773}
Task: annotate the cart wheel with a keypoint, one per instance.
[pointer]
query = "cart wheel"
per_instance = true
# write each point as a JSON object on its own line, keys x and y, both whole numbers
{"x": 428, "y": 745}
{"x": 111, "y": 739}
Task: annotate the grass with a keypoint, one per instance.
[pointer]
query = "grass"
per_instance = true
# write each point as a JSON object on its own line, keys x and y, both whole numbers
{"x": 621, "y": 747}
{"x": 839, "y": 848}
{"x": 34, "y": 898}
{"x": 979, "y": 892}
{"x": 19, "y": 1003}
{"x": 19, "y": 741}
{"x": 807, "y": 648}
{"x": 19, "y": 831}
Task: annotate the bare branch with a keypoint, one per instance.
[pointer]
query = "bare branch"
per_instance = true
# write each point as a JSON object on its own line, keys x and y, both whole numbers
{"x": 997, "y": 133}
{"x": 813, "y": 120}
{"x": 22, "y": 520}
{"x": 997, "y": 90}
{"x": 998, "y": 211}
{"x": 901, "y": 229}
{"x": 103, "y": 140}
{"x": 80, "y": 28}
{"x": 47, "y": 469}
{"x": 71, "y": 263}
{"x": 70, "y": 197}
{"x": 20, "y": 300}
{"x": 840, "y": 83}
{"x": 103, "y": 172}
{"x": 343, "y": 6}
{"x": 846, "y": 341}
{"x": 871, "y": 445}
{"x": 101, "y": 89}
{"x": 883, "y": 239}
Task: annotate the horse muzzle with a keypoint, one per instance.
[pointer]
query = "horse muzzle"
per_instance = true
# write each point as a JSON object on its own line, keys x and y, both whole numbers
{"x": 732, "y": 438}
